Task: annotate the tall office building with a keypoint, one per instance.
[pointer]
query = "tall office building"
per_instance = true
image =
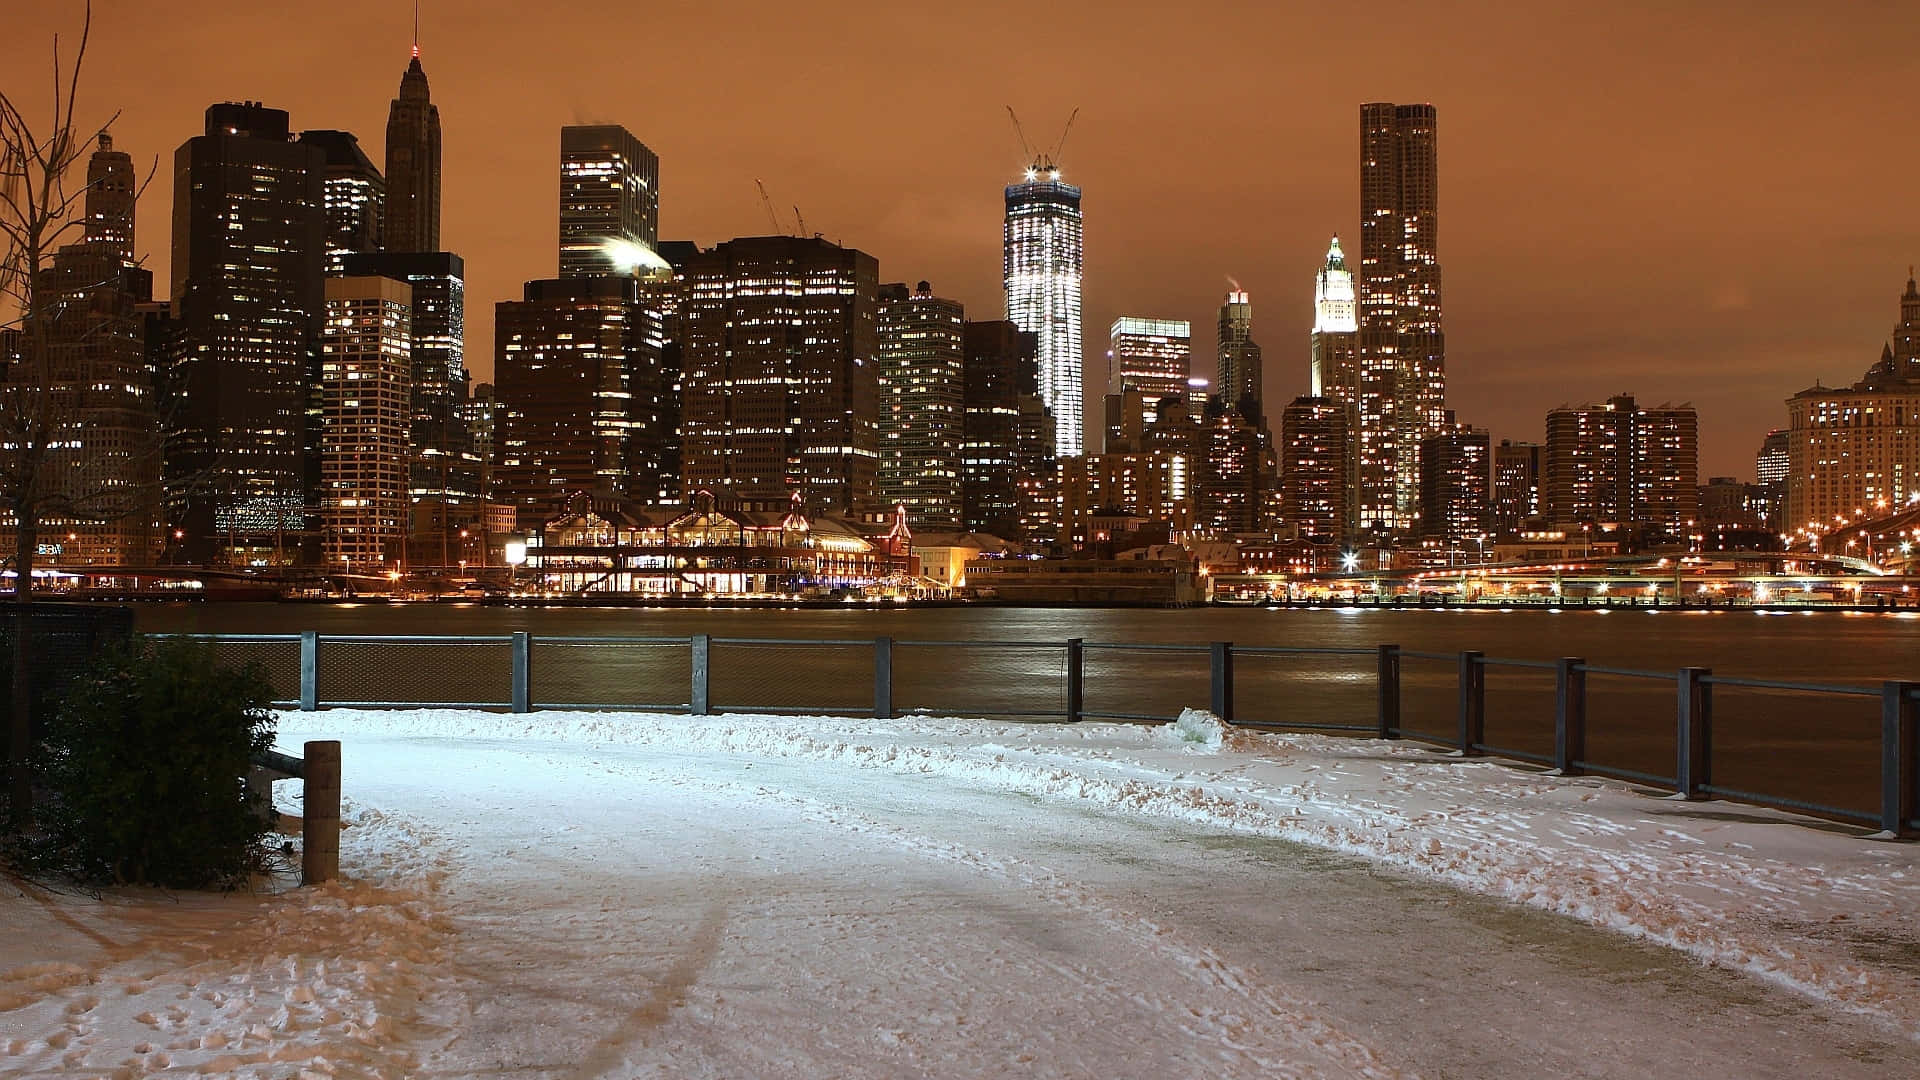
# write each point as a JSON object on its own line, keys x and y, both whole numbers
{"x": 445, "y": 466}
{"x": 1001, "y": 376}
{"x": 1618, "y": 463}
{"x": 82, "y": 388}
{"x": 779, "y": 372}
{"x": 922, "y": 347}
{"x": 366, "y": 414}
{"x": 1042, "y": 269}
{"x": 1516, "y": 485}
{"x": 1456, "y": 486}
{"x": 1149, "y": 356}
{"x": 1364, "y": 385}
{"x": 576, "y": 377}
{"x": 355, "y": 195}
{"x": 1770, "y": 464}
{"x": 1400, "y": 312}
{"x": 609, "y": 202}
{"x": 249, "y": 246}
{"x": 413, "y": 165}
{"x": 1238, "y": 355}
{"x": 1855, "y": 452}
{"x": 1316, "y": 469}
{"x": 1232, "y": 452}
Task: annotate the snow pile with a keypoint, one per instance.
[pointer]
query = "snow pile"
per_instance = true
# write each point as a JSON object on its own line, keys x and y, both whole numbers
{"x": 1198, "y": 729}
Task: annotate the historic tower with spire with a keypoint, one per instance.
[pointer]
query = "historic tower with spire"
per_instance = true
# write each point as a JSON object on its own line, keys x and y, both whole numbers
{"x": 413, "y": 163}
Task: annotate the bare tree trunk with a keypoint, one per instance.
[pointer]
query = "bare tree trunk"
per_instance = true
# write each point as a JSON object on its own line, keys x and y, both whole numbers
{"x": 20, "y": 733}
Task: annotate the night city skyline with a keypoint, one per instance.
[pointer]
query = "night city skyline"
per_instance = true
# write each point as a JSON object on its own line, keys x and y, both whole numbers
{"x": 1602, "y": 236}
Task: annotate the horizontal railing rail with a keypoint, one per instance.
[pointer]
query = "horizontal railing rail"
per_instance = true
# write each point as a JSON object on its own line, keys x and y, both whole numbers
{"x": 1292, "y": 688}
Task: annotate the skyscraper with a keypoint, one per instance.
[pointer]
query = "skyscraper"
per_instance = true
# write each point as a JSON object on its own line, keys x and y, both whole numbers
{"x": 111, "y": 192}
{"x": 249, "y": 246}
{"x": 1238, "y": 355}
{"x": 609, "y": 202}
{"x": 780, "y": 393}
{"x": 1149, "y": 356}
{"x": 1620, "y": 463}
{"x": 355, "y": 194}
{"x": 1456, "y": 486}
{"x": 1364, "y": 385}
{"x": 922, "y": 348}
{"x": 1316, "y": 466}
{"x": 413, "y": 165}
{"x": 1516, "y": 484}
{"x": 1400, "y": 313}
{"x": 576, "y": 374}
{"x": 366, "y": 375}
{"x": 1001, "y": 377}
{"x": 1042, "y": 270}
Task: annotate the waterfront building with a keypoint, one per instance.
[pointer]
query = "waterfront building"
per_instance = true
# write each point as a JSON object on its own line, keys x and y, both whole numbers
{"x": 1516, "y": 485}
{"x": 1854, "y": 452}
{"x": 1728, "y": 503}
{"x": 413, "y": 165}
{"x": 445, "y": 467}
{"x": 779, "y": 372}
{"x": 366, "y": 419}
{"x": 576, "y": 375}
{"x": 922, "y": 382}
{"x": 1151, "y": 485}
{"x": 1399, "y": 285}
{"x": 1363, "y": 383}
{"x": 249, "y": 247}
{"x": 1316, "y": 469}
{"x": 1001, "y": 376}
{"x": 609, "y": 202}
{"x": 1456, "y": 486}
{"x": 355, "y": 195}
{"x": 1237, "y": 355}
{"x": 1234, "y": 452}
{"x": 1042, "y": 269}
{"x": 1619, "y": 463}
{"x": 88, "y": 396}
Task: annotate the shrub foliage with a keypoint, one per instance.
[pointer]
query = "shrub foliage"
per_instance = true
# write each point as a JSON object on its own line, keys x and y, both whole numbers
{"x": 144, "y": 767}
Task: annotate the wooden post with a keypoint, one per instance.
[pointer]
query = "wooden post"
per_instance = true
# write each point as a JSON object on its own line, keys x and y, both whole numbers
{"x": 320, "y": 813}
{"x": 1387, "y": 722}
{"x": 1899, "y": 758}
{"x": 1569, "y": 715}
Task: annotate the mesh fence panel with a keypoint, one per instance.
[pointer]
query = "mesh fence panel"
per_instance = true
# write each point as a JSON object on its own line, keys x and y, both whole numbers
{"x": 1305, "y": 690}
{"x": 799, "y": 677}
{"x": 278, "y": 660}
{"x": 448, "y": 672}
{"x": 1812, "y": 748}
{"x": 1520, "y": 709}
{"x": 983, "y": 679}
{"x": 1140, "y": 683}
{"x": 648, "y": 675}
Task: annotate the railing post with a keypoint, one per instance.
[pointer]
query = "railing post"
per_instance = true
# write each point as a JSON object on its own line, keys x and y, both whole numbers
{"x": 1569, "y": 715}
{"x": 1076, "y": 679}
{"x": 1220, "y": 657}
{"x": 1387, "y": 725}
{"x": 702, "y": 650}
{"x": 883, "y": 678}
{"x": 309, "y": 670}
{"x": 320, "y": 812}
{"x": 1695, "y": 771}
{"x": 522, "y": 671}
{"x": 1899, "y": 757}
{"x": 1473, "y": 703}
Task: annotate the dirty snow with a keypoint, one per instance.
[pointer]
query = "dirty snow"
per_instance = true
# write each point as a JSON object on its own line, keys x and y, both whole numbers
{"x": 601, "y": 894}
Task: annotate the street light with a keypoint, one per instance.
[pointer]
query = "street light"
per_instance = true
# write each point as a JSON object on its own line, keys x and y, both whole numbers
{"x": 516, "y": 553}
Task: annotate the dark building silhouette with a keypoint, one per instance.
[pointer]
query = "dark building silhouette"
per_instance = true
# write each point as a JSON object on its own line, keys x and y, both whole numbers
{"x": 413, "y": 165}
{"x": 1001, "y": 375}
{"x": 356, "y": 196}
{"x": 779, "y": 372}
{"x": 249, "y": 243}
{"x": 1237, "y": 354}
{"x": 609, "y": 202}
{"x": 1516, "y": 485}
{"x": 111, "y": 191}
{"x": 577, "y": 382}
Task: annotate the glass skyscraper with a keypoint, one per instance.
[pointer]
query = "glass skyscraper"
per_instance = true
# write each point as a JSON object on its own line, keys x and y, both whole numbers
{"x": 609, "y": 202}
{"x": 1042, "y": 271}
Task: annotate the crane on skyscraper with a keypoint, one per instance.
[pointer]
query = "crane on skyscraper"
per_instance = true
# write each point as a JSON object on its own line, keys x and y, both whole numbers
{"x": 1049, "y": 158}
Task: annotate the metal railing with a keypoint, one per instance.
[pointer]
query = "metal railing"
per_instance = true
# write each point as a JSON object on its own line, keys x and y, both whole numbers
{"x": 1387, "y": 692}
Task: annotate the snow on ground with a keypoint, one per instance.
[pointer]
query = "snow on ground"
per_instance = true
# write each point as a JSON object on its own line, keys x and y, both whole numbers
{"x": 597, "y": 894}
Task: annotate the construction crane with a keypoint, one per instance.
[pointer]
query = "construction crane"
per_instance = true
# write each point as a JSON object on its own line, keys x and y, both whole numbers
{"x": 766, "y": 201}
{"x": 800, "y": 224}
{"x": 1046, "y": 160}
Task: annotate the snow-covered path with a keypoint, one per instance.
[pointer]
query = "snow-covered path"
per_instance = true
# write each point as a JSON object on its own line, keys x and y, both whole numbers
{"x": 629, "y": 896}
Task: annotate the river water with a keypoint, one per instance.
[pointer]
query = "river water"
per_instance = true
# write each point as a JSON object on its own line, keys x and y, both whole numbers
{"x": 1817, "y": 748}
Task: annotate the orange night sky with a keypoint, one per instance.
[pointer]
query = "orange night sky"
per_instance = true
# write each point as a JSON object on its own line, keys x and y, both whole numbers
{"x": 1711, "y": 202}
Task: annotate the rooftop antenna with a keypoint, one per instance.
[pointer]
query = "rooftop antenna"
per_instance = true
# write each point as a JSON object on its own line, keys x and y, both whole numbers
{"x": 416, "y": 29}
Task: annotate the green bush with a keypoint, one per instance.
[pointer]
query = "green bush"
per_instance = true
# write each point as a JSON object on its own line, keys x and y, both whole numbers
{"x": 143, "y": 767}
